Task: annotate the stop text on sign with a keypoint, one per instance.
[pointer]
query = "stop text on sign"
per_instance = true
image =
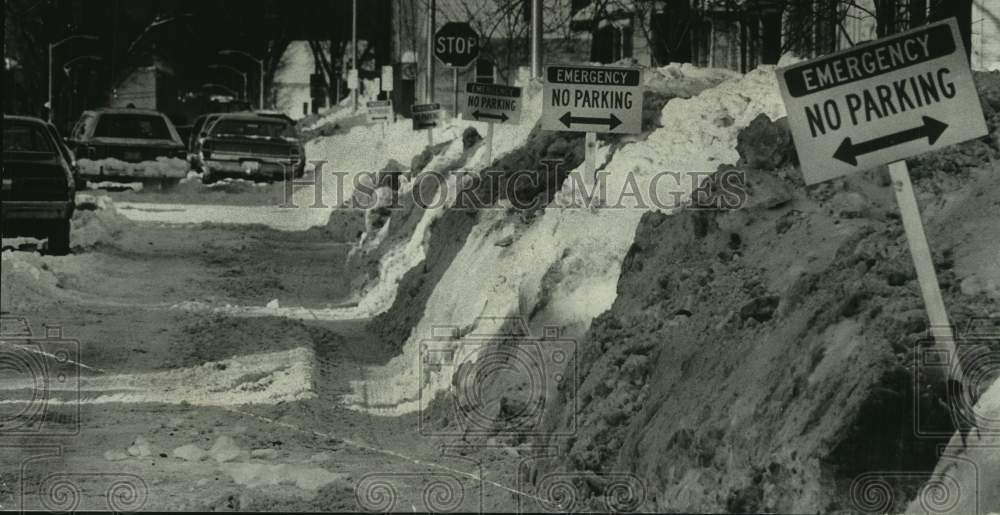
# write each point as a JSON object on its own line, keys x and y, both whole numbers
{"x": 456, "y": 45}
{"x": 881, "y": 102}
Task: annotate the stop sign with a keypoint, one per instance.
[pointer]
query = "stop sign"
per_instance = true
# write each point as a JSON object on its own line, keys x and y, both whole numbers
{"x": 456, "y": 44}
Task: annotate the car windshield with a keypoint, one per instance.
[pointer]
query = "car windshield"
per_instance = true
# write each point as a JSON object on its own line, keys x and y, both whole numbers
{"x": 141, "y": 126}
{"x": 26, "y": 137}
{"x": 253, "y": 128}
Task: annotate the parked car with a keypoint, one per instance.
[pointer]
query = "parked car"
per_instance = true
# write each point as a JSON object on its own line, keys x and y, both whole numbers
{"x": 198, "y": 132}
{"x": 251, "y": 145}
{"x": 38, "y": 183}
{"x": 128, "y": 144}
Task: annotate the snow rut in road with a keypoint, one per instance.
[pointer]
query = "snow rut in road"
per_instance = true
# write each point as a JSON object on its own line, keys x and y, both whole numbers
{"x": 360, "y": 150}
{"x": 267, "y": 378}
{"x": 562, "y": 270}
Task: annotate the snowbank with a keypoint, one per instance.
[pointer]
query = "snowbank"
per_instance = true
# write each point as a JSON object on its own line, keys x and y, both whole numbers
{"x": 562, "y": 270}
{"x": 961, "y": 481}
{"x": 170, "y": 167}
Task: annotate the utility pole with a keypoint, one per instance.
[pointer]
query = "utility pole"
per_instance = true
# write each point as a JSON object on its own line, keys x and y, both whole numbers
{"x": 354, "y": 51}
{"x": 429, "y": 86}
{"x": 536, "y": 39}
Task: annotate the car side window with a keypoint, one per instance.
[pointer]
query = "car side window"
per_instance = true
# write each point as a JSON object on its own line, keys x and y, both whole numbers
{"x": 80, "y": 130}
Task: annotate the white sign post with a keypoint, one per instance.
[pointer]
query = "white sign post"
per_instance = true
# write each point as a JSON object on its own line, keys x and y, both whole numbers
{"x": 592, "y": 99}
{"x": 492, "y": 103}
{"x": 456, "y": 45}
{"x": 387, "y": 78}
{"x": 880, "y": 103}
{"x": 380, "y": 112}
{"x": 352, "y": 79}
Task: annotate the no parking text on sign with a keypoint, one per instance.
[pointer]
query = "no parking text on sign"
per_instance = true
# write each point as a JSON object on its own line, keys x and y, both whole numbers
{"x": 881, "y": 102}
{"x": 593, "y": 99}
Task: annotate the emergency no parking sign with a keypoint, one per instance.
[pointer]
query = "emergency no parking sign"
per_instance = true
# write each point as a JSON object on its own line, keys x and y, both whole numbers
{"x": 881, "y": 102}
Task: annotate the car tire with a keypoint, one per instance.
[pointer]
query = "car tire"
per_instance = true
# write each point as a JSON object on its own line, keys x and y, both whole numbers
{"x": 58, "y": 241}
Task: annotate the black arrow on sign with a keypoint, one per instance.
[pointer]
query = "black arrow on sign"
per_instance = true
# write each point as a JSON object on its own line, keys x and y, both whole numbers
{"x": 611, "y": 121}
{"x": 490, "y": 116}
{"x": 848, "y": 152}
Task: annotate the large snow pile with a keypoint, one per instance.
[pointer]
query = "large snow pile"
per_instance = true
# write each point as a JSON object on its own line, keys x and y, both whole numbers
{"x": 26, "y": 280}
{"x": 96, "y": 221}
{"x": 562, "y": 269}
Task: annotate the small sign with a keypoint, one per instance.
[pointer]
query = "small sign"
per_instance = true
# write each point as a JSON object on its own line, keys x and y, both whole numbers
{"x": 494, "y": 103}
{"x": 881, "y": 102}
{"x": 427, "y": 116}
{"x": 593, "y": 99}
{"x": 387, "y": 78}
{"x": 456, "y": 44}
{"x": 379, "y": 111}
{"x": 352, "y": 78}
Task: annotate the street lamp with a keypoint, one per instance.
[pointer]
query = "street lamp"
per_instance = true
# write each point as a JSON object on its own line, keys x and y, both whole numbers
{"x": 234, "y": 70}
{"x": 67, "y": 69}
{"x": 260, "y": 64}
{"x": 52, "y": 47}
{"x": 69, "y": 64}
{"x": 229, "y": 90}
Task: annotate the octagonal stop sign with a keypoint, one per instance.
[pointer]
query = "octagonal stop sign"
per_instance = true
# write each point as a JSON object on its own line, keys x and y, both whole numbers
{"x": 456, "y": 44}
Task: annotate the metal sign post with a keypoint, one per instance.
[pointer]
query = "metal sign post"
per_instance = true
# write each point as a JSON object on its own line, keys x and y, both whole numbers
{"x": 592, "y": 99}
{"x": 880, "y": 103}
{"x": 492, "y": 103}
{"x": 380, "y": 112}
{"x": 456, "y": 45}
{"x": 590, "y": 167}
{"x": 427, "y": 117}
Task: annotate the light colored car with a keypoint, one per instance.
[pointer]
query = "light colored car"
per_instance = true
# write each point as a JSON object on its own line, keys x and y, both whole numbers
{"x": 128, "y": 144}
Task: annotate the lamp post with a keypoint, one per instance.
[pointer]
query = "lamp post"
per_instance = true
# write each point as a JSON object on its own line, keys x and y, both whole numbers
{"x": 52, "y": 47}
{"x": 234, "y": 70}
{"x": 260, "y": 65}
{"x": 354, "y": 52}
{"x": 536, "y": 39}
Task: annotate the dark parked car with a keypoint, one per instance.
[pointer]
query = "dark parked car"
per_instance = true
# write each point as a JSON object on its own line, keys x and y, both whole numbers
{"x": 129, "y": 144}
{"x": 253, "y": 146}
{"x": 38, "y": 183}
